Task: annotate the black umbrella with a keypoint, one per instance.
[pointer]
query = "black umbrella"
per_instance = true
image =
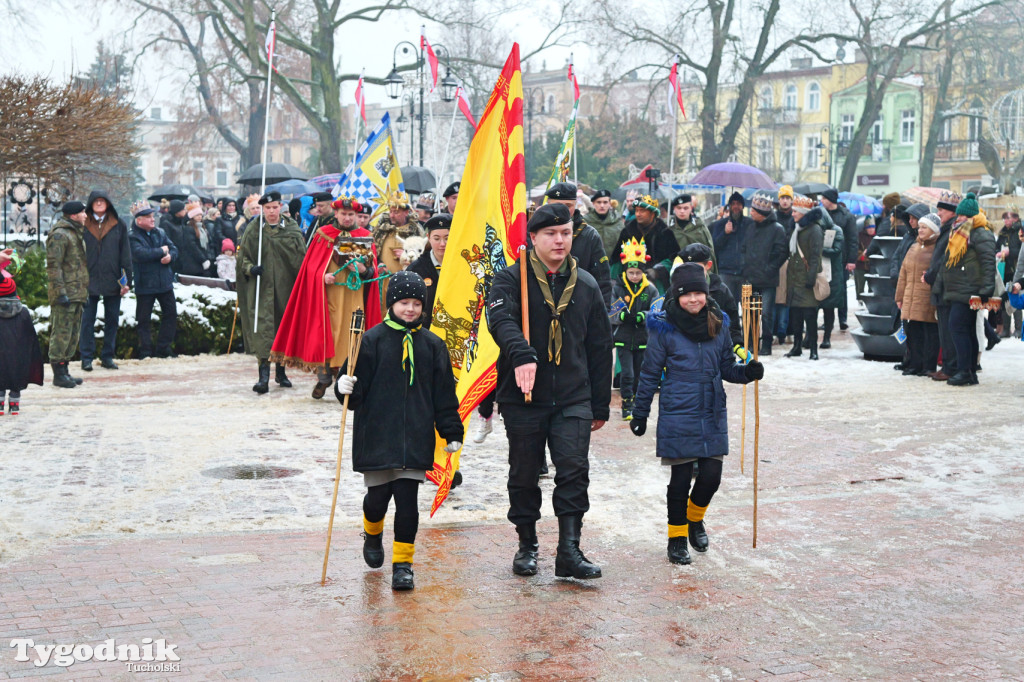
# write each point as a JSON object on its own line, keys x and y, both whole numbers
{"x": 811, "y": 187}
{"x": 418, "y": 179}
{"x": 276, "y": 172}
{"x": 170, "y": 192}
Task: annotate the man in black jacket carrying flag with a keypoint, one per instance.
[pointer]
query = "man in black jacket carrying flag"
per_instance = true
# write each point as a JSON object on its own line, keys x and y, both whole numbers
{"x": 566, "y": 370}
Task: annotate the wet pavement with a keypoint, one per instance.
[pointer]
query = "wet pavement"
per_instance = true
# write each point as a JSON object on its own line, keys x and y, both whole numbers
{"x": 889, "y": 539}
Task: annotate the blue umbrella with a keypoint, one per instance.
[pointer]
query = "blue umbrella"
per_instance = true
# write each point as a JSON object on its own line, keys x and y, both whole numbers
{"x": 860, "y": 204}
{"x": 296, "y": 188}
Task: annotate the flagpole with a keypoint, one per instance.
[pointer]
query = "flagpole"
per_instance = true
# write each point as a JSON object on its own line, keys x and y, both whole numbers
{"x": 433, "y": 146}
{"x": 444, "y": 159}
{"x": 263, "y": 176}
{"x": 672, "y": 154}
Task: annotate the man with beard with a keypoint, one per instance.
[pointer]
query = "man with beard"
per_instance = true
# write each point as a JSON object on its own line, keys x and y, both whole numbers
{"x": 391, "y": 229}
{"x": 605, "y": 219}
{"x": 764, "y": 251}
{"x": 646, "y": 225}
{"x": 587, "y": 247}
{"x": 728, "y": 234}
{"x": 268, "y": 279}
{"x": 847, "y": 222}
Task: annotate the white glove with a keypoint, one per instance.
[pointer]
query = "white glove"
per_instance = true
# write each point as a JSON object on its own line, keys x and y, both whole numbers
{"x": 454, "y": 446}
{"x": 206, "y": 264}
{"x": 346, "y": 383}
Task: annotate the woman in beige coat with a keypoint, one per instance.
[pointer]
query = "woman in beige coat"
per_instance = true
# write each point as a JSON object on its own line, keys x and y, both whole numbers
{"x": 913, "y": 298}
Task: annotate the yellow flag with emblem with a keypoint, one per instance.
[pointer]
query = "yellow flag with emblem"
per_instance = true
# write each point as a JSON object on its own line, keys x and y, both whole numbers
{"x": 488, "y": 228}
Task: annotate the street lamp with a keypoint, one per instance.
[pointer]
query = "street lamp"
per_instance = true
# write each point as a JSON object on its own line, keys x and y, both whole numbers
{"x": 402, "y": 123}
{"x": 448, "y": 87}
{"x": 394, "y": 83}
{"x": 528, "y": 94}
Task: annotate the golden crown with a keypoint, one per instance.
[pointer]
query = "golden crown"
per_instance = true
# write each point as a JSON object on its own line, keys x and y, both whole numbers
{"x": 634, "y": 251}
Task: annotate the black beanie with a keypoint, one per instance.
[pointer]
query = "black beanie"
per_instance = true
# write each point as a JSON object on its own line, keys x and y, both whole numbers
{"x": 406, "y": 284}
{"x": 294, "y": 206}
{"x": 736, "y": 196}
{"x": 831, "y": 194}
{"x": 689, "y": 277}
{"x": 72, "y": 208}
{"x": 176, "y": 206}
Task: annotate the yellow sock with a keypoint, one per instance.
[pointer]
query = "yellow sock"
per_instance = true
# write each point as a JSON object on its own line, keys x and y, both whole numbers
{"x": 677, "y": 531}
{"x": 695, "y": 514}
{"x": 373, "y": 527}
{"x": 401, "y": 552}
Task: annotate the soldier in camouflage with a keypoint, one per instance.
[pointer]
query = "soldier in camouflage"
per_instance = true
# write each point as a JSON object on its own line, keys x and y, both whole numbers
{"x": 68, "y": 291}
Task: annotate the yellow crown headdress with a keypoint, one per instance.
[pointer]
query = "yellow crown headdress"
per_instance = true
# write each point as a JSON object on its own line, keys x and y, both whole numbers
{"x": 398, "y": 199}
{"x": 634, "y": 251}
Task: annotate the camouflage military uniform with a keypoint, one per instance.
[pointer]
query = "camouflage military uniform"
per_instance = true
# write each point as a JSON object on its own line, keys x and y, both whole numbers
{"x": 68, "y": 276}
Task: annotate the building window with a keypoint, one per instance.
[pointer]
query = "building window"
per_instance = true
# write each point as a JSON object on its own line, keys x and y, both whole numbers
{"x": 765, "y": 157}
{"x": 813, "y": 97}
{"x": 222, "y": 174}
{"x": 198, "y": 174}
{"x": 789, "y": 99}
{"x": 766, "y": 97}
{"x": 550, "y": 109}
{"x": 167, "y": 174}
{"x": 846, "y": 128}
{"x": 907, "y": 118}
{"x": 154, "y": 113}
{"x": 789, "y": 154}
{"x": 812, "y": 154}
{"x": 878, "y": 130}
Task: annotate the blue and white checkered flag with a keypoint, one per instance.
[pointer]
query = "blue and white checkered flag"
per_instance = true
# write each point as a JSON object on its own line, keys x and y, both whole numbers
{"x": 375, "y": 171}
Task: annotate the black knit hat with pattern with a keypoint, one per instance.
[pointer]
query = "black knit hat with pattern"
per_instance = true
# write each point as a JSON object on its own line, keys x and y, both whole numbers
{"x": 405, "y": 284}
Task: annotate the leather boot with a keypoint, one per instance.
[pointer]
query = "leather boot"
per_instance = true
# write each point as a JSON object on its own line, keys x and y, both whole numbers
{"x": 569, "y": 560}
{"x": 401, "y": 577}
{"x": 67, "y": 373}
{"x": 698, "y": 535}
{"x": 280, "y": 377}
{"x": 60, "y": 379}
{"x": 677, "y": 552}
{"x": 794, "y": 352}
{"x": 263, "y": 385}
{"x": 373, "y": 550}
{"x": 814, "y": 354}
{"x": 766, "y": 347}
{"x": 826, "y": 342}
{"x": 961, "y": 378}
{"x": 525, "y": 561}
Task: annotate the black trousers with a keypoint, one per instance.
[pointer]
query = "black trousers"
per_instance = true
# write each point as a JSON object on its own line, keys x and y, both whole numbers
{"x": 566, "y": 432}
{"x": 709, "y": 477}
{"x": 407, "y": 516}
{"x": 949, "y": 365}
{"x": 168, "y": 322}
{"x": 804, "y": 322}
{"x": 922, "y": 344}
{"x": 486, "y": 406}
{"x": 963, "y": 330}
{"x": 111, "y": 313}
{"x": 630, "y": 361}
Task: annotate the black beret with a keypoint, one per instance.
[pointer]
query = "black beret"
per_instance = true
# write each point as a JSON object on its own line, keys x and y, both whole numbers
{"x": 601, "y": 194}
{"x": 364, "y": 207}
{"x": 696, "y": 253}
{"x": 406, "y": 284}
{"x": 562, "y": 190}
{"x": 689, "y": 277}
{"x": 451, "y": 189}
{"x": 681, "y": 199}
{"x": 322, "y": 196}
{"x": 270, "y": 196}
{"x": 74, "y": 207}
{"x": 441, "y": 221}
{"x": 549, "y": 215}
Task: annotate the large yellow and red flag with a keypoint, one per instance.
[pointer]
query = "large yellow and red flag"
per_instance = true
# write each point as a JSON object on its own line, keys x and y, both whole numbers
{"x": 488, "y": 228}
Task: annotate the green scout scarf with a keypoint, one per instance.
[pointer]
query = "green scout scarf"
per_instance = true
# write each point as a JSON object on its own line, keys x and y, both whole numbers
{"x": 408, "y": 361}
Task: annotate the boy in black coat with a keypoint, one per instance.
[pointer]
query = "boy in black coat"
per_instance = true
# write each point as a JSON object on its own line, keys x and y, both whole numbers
{"x": 637, "y": 295}
{"x": 403, "y": 389}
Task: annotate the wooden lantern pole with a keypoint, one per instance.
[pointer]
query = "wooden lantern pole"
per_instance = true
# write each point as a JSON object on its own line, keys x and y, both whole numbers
{"x": 756, "y": 308}
{"x": 746, "y": 291}
{"x": 354, "y": 342}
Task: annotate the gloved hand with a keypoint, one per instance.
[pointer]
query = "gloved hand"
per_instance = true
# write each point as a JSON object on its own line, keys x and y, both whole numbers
{"x": 639, "y": 318}
{"x": 622, "y": 316}
{"x": 741, "y": 352}
{"x": 753, "y": 370}
{"x": 346, "y": 383}
{"x": 638, "y": 426}
{"x": 63, "y": 301}
{"x": 454, "y": 446}
{"x": 256, "y": 270}
{"x": 206, "y": 264}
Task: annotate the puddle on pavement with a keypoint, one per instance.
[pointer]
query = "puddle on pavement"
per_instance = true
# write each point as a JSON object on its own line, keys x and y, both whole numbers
{"x": 249, "y": 472}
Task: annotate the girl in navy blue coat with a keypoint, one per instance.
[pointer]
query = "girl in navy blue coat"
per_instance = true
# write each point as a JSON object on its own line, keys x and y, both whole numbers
{"x": 689, "y": 342}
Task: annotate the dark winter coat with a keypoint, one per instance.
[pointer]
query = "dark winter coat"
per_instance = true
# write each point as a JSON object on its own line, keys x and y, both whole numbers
{"x": 584, "y": 376}
{"x": 66, "y": 267}
{"x": 901, "y": 252}
{"x": 588, "y": 251}
{"x": 631, "y": 324}
{"x": 151, "y": 276}
{"x": 692, "y": 417}
{"x": 173, "y": 227}
{"x": 785, "y": 218}
{"x": 843, "y": 219}
{"x": 975, "y": 274}
{"x": 863, "y": 242}
{"x": 693, "y": 231}
{"x": 801, "y": 272}
{"x": 107, "y": 252}
{"x": 727, "y": 303}
{"x": 191, "y": 253}
{"x": 21, "y": 358}
{"x": 609, "y": 226}
{"x": 835, "y": 254}
{"x": 660, "y": 242}
{"x": 938, "y": 260}
{"x": 728, "y": 247}
{"x": 424, "y": 267}
{"x": 1009, "y": 237}
{"x": 763, "y": 252}
{"x": 394, "y": 422}
{"x": 226, "y": 230}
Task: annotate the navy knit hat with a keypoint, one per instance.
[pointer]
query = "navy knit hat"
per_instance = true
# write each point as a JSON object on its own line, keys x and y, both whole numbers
{"x": 405, "y": 284}
{"x": 689, "y": 277}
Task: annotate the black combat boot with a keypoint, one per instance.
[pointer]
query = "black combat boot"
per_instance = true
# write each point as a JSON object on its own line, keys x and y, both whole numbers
{"x": 677, "y": 552}
{"x": 373, "y": 550}
{"x": 401, "y": 577}
{"x": 60, "y": 379}
{"x": 766, "y": 346}
{"x": 569, "y": 560}
{"x": 280, "y": 377}
{"x": 86, "y": 364}
{"x": 67, "y": 373}
{"x": 826, "y": 342}
{"x": 794, "y": 352}
{"x": 525, "y": 561}
{"x": 698, "y": 535}
{"x": 263, "y": 385}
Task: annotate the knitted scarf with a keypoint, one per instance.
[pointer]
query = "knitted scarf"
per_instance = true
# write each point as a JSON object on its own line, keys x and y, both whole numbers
{"x": 555, "y": 330}
{"x": 960, "y": 238}
{"x": 408, "y": 361}
{"x": 629, "y": 290}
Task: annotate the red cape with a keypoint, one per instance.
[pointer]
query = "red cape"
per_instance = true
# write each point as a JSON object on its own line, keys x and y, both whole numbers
{"x": 304, "y": 338}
